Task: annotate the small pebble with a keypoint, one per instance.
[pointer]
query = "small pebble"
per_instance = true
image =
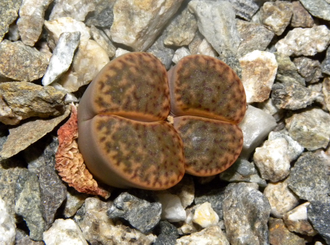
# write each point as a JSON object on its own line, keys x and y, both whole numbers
{"x": 205, "y": 216}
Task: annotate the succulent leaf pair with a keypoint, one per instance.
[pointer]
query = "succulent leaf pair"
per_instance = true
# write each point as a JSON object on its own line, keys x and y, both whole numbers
{"x": 123, "y": 133}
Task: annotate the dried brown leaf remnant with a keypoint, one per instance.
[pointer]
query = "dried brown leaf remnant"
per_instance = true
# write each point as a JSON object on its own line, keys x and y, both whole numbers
{"x": 70, "y": 163}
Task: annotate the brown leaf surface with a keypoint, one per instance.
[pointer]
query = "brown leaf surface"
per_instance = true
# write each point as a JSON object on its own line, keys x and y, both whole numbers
{"x": 70, "y": 163}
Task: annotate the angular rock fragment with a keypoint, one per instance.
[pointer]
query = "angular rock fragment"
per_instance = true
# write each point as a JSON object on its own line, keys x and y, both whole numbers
{"x": 31, "y": 20}
{"x": 20, "y": 62}
{"x": 8, "y": 13}
{"x": 137, "y": 24}
{"x": 28, "y": 133}
{"x": 310, "y": 128}
{"x": 318, "y": 8}
{"x": 22, "y": 100}
{"x": 276, "y": 16}
{"x": 141, "y": 214}
{"x": 304, "y": 41}
{"x": 258, "y": 74}
{"x": 62, "y": 56}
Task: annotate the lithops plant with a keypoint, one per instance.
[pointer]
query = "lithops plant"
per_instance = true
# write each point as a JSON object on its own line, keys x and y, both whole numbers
{"x": 123, "y": 133}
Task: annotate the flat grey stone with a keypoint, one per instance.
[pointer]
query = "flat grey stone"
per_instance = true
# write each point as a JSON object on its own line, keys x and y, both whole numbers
{"x": 326, "y": 63}
{"x": 309, "y": 177}
{"x": 141, "y": 214}
{"x": 318, "y": 8}
{"x": 318, "y": 214}
{"x": 246, "y": 211}
{"x": 310, "y": 128}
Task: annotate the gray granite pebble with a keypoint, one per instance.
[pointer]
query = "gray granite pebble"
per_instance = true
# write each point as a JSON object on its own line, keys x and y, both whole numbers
{"x": 309, "y": 69}
{"x": 254, "y": 36}
{"x": 292, "y": 95}
{"x": 326, "y": 63}
{"x": 243, "y": 170}
{"x": 41, "y": 161}
{"x": 141, "y": 214}
{"x": 102, "y": 16}
{"x": 309, "y": 177}
{"x": 162, "y": 52}
{"x": 182, "y": 29}
{"x": 246, "y": 8}
{"x": 8, "y": 14}
{"x": 216, "y": 21}
{"x": 167, "y": 235}
{"x": 318, "y": 8}
{"x": 318, "y": 214}
{"x": 21, "y": 62}
{"x": 28, "y": 203}
{"x": 310, "y": 128}
{"x": 287, "y": 71}
{"x": 62, "y": 56}
{"x": 245, "y": 211}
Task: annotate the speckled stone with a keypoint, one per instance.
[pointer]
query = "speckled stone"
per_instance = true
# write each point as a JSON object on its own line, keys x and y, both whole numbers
{"x": 22, "y": 100}
{"x": 310, "y": 128}
{"x": 318, "y": 8}
{"x": 287, "y": 71}
{"x": 210, "y": 235}
{"x": 246, "y": 8}
{"x": 309, "y": 69}
{"x": 300, "y": 16}
{"x": 254, "y": 36}
{"x": 182, "y": 29}
{"x": 258, "y": 74}
{"x": 326, "y": 63}
{"x": 21, "y": 62}
{"x": 8, "y": 14}
{"x": 97, "y": 228}
{"x": 304, "y": 41}
{"x": 102, "y": 16}
{"x": 41, "y": 161}
{"x": 309, "y": 177}
{"x": 246, "y": 211}
{"x": 292, "y": 95}
{"x": 242, "y": 170}
{"x": 141, "y": 214}
{"x": 280, "y": 235}
{"x": 281, "y": 198}
{"x": 296, "y": 221}
{"x": 28, "y": 203}
{"x": 137, "y": 24}
{"x": 276, "y": 16}
{"x": 318, "y": 214}
{"x": 64, "y": 232}
{"x": 22, "y": 238}
{"x": 168, "y": 234}
{"x": 274, "y": 157}
{"x": 31, "y": 20}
